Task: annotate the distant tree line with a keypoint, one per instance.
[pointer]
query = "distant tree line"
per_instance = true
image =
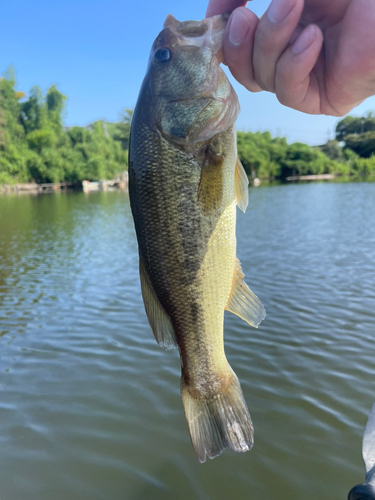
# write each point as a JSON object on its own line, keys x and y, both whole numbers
{"x": 34, "y": 144}
{"x": 352, "y": 152}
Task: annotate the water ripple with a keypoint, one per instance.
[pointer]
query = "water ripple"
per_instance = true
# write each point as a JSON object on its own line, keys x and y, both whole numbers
{"x": 90, "y": 405}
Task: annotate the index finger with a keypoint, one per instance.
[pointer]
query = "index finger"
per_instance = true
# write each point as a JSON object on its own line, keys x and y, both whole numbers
{"x": 216, "y": 7}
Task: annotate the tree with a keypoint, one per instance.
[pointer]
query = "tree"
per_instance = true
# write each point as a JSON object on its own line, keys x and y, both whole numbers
{"x": 34, "y": 111}
{"x": 12, "y": 135}
{"x": 273, "y": 158}
{"x": 79, "y": 135}
{"x": 362, "y": 144}
{"x": 35, "y": 145}
{"x": 41, "y": 139}
{"x": 355, "y": 125}
{"x": 122, "y": 132}
{"x": 55, "y": 102}
{"x": 333, "y": 150}
{"x": 2, "y": 125}
{"x": 10, "y": 106}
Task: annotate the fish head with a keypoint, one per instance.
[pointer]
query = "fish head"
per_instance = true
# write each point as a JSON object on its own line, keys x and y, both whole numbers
{"x": 190, "y": 97}
{"x": 185, "y": 57}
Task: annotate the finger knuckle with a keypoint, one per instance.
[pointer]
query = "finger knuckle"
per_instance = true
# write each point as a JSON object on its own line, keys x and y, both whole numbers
{"x": 253, "y": 87}
{"x": 264, "y": 42}
{"x": 265, "y": 82}
{"x": 284, "y": 98}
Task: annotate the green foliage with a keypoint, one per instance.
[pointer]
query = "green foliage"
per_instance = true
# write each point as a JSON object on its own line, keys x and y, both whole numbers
{"x": 363, "y": 144}
{"x": 55, "y": 103}
{"x": 333, "y": 150}
{"x": 273, "y": 158}
{"x": 260, "y": 154}
{"x": 122, "y": 129}
{"x": 358, "y": 133}
{"x": 35, "y": 146}
{"x": 358, "y": 165}
{"x": 34, "y": 111}
{"x": 2, "y": 126}
{"x": 79, "y": 135}
{"x": 12, "y": 130}
{"x": 366, "y": 166}
{"x": 355, "y": 125}
{"x": 302, "y": 159}
{"x": 40, "y": 139}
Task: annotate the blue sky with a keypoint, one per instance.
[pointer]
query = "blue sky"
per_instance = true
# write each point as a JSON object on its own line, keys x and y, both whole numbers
{"x": 97, "y": 51}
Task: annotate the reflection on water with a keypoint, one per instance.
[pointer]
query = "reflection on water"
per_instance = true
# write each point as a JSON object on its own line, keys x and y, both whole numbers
{"x": 90, "y": 405}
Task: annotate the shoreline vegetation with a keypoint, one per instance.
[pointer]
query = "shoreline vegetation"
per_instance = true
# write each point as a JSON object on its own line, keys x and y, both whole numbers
{"x": 38, "y": 153}
{"x": 119, "y": 183}
{"x": 36, "y": 147}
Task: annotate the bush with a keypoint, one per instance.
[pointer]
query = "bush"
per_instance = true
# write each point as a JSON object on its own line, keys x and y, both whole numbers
{"x": 35, "y": 145}
{"x": 40, "y": 139}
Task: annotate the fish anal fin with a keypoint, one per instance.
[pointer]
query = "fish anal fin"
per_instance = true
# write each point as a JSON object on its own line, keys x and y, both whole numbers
{"x": 241, "y": 183}
{"x": 159, "y": 320}
{"x": 210, "y": 190}
{"x": 243, "y": 302}
{"x": 219, "y": 421}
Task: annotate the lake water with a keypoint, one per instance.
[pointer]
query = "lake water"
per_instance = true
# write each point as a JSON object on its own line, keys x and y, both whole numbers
{"x": 90, "y": 405}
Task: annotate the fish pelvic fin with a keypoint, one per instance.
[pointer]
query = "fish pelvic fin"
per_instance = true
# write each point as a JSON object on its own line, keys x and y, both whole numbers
{"x": 159, "y": 320}
{"x": 243, "y": 302}
{"x": 241, "y": 184}
{"x": 219, "y": 421}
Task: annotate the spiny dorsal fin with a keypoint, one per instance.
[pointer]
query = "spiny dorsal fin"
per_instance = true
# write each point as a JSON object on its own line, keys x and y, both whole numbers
{"x": 241, "y": 183}
{"x": 243, "y": 302}
{"x": 159, "y": 320}
{"x": 210, "y": 191}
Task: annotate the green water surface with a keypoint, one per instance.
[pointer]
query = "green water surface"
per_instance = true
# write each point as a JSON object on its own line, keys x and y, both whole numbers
{"x": 90, "y": 406}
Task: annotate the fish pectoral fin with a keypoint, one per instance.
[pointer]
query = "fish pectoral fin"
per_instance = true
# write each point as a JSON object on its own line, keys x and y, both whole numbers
{"x": 159, "y": 320}
{"x": 243, "y": 302}
{"x": 241, "y": 183}
{"x": 210, "y": 190}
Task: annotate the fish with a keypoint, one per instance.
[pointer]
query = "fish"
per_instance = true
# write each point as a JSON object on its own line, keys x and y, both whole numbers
{"x": 185, "y": 181}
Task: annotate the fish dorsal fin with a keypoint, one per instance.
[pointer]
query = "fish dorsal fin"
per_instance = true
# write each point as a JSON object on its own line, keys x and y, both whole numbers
{"x": 210, "y": 190}
{"x": 241, "y": 183}
{"x": 243, "y": 302}
{"x": 159, "y": 320}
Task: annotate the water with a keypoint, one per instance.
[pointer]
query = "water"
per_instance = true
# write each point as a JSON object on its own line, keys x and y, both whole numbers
{"x": 90, "y": 405}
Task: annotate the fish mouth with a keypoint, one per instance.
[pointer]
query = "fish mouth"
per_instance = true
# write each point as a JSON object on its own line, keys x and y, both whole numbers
{"x": 206, "y": 33}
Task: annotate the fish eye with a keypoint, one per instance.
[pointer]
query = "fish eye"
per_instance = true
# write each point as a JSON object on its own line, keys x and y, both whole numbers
{"x": 163, "y": 55}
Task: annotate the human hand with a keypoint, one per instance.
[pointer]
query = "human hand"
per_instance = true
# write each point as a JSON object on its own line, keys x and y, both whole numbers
{"x": 317, "y": 56}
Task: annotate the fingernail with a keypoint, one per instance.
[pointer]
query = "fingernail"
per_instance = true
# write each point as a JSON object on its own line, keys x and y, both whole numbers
{"x": 304, "y": 41}
{"x": 239, "y": 28}
{"x": 279, "y": 10}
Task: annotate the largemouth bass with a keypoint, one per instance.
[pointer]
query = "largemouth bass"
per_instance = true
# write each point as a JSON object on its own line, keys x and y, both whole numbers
{"x": 185, "y": 181}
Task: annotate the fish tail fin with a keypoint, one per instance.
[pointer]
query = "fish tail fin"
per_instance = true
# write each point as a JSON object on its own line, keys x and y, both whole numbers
{"x": 219, "y": 421}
